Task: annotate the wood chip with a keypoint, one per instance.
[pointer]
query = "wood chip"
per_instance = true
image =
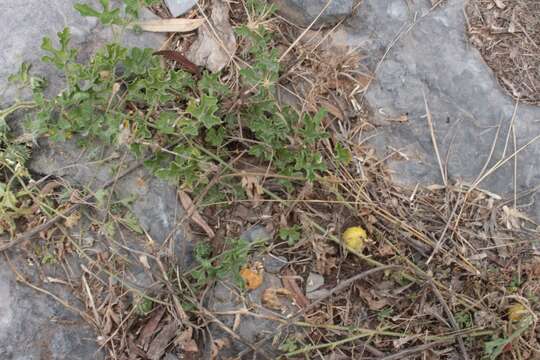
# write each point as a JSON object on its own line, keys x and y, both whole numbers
{"x": 170, "y": 25}
{"x": 161, "y": 341}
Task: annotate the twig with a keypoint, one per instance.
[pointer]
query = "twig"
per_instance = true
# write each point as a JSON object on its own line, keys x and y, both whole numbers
{"x": 305, "y": 31}
{"x": 451, "y": 319}
{"x": 440, "y": 242}
{"x": 413, "y": 350}
{"x": 333, "y": 345}
{"x": 434, "y": 140}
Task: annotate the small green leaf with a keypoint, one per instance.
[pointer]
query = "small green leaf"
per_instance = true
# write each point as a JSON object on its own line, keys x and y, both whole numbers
{"x": 46, "y": 44}
{"x": 64, "y": 36}
{"x": 215, "y": 136}
{"x": 86, "y": 10}
{"x": 144, "y": 306}
{"x": 204, "y": 110}
{"x": 290, "y": 234}
{"x": 343, "y": 155}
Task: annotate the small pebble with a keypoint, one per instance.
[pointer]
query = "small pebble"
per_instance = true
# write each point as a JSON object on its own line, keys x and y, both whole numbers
{"x": 179, "y": 7}
{"x": 273, "y": 264}
{"x": 314, "y": 281}
{"x": 316, "y": 295}
{"x": 256, "y": 233}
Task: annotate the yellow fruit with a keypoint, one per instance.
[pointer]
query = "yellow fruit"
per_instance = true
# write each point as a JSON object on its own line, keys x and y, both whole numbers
{"x": 517, "y": 311}
{"x": 354, "y": 238}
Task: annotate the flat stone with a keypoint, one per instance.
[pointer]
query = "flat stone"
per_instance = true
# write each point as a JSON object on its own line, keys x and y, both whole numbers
{"x": 304, "y": 12}
{"x": 428, "y": 52}
{"x": 256, "y": 233}
{"x": 34, "y": 326}
{"x": 273, "y": 264}
{"x": 180, "y": 7}
{"x": 155, "y": 203}
{"x": 225, "y": 297}
{"x": 25, "y": 24}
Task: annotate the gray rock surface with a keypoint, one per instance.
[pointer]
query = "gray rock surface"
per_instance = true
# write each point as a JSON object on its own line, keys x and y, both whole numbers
{"x": 303, "y": 12}
{"x": 179, "y": 7}
{"x": 274, "y": 264}
{"x": 428, "y": 51}
{"x": 33, "y": 326}
{"x": 256, "y": 233}
{"x": 24, "y": 24}
{"x": 154, "y": 201}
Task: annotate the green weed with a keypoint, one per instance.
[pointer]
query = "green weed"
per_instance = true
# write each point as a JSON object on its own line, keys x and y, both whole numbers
{"x": 228, "y": 264}
{"x": 290, "y": 234}
{"x": 124, "y": 97}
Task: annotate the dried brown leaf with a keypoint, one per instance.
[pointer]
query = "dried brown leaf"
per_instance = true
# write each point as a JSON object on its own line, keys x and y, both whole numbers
{"x": 298, "y": 295}
{"x": 253, "y": 188}
{"x": 512, "y": 217}
{"x": 325, "y": 260}
{"x": 161, "y": 341}
{"x": 192, "y": 213}
{"x": 150, "y": 327}
{"x": 217, "y": 345}
{"x": 270, "y": 298}
{"x": 180, "y": 59}
{"x": 134, "y": 351}
{"x": 185, "y": 341}
{"x": 72, "y": 219}
{"x": 371, "y": 301}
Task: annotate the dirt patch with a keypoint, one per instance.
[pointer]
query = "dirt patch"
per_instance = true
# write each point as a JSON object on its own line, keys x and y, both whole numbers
{"x": 507, "y": 33}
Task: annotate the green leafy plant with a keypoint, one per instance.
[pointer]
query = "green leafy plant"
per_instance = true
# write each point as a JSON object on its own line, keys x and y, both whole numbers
{"x": 289, "y": 345}
{"x": 124, "y": 97}
{"x": 228, "y": 264}
{"x": 14, "y": 194}
{"x": 464, "y": 319}
{"x": 113, "y": 16}
{"x": 144, "y": 306}
{"x": 494, "y": 348}
{"x": 290, "y": 234}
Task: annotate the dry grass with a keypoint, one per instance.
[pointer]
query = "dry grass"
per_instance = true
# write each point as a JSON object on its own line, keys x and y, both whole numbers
{"x": 507, "y": 33}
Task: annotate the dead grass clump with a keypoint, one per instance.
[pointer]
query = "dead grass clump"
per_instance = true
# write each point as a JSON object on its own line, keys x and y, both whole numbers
{"x": 447, "y": 303}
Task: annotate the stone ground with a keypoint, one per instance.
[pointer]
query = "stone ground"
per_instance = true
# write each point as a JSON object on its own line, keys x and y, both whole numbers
{"x": 414, "y": 48}
{"x": 427, "y": 51}
{"x": 33, "y": 325}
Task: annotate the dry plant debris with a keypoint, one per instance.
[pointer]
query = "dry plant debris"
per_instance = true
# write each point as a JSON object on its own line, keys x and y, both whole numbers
{"x": 507, "y": 33}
